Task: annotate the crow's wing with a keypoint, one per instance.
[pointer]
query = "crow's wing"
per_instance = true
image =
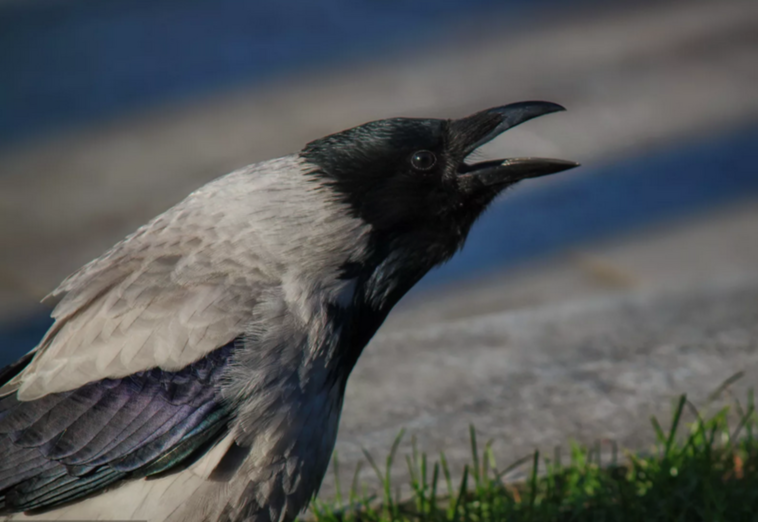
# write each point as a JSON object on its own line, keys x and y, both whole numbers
{"x": 177, "y": 289}
{"x": 68, "y": 445}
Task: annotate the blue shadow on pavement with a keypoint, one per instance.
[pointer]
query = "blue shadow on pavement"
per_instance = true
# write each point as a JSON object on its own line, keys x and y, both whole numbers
{"x": 65, "y": 63}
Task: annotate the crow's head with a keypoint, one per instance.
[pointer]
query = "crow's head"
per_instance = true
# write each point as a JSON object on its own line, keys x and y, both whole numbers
{"x": 410, "y": 180}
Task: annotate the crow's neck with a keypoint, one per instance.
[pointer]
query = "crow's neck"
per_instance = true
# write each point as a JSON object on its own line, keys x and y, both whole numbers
{"x": 397, "y": 265}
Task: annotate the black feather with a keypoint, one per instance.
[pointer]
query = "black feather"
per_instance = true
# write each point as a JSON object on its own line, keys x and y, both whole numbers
{"x": 68, "y": 445}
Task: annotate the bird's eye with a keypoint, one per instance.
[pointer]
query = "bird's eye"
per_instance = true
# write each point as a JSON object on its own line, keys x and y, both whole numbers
{"x": 423, "y": 160}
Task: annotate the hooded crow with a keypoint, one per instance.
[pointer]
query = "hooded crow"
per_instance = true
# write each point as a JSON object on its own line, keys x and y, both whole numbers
{"x": 196, "y": 371}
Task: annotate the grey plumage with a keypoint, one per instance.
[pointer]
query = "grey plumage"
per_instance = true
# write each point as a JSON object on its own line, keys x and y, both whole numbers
{"x": 207, "y": 354}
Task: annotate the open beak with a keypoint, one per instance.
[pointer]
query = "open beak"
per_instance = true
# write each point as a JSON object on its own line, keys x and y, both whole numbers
{"x": 484, "y": 126}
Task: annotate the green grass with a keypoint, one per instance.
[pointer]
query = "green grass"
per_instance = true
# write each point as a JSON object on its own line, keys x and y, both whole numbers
{"x": 705, "y": 470}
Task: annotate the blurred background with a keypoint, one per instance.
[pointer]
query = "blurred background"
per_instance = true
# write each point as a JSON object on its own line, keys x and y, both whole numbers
{"x": 113, "y": 110}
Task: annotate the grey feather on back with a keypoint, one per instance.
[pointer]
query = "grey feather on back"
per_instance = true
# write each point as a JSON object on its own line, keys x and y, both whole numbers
{"x": 188, "y": 281}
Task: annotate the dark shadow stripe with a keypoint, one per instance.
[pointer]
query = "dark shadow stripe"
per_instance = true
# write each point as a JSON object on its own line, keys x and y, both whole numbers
{"x": 66, "y": 63}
